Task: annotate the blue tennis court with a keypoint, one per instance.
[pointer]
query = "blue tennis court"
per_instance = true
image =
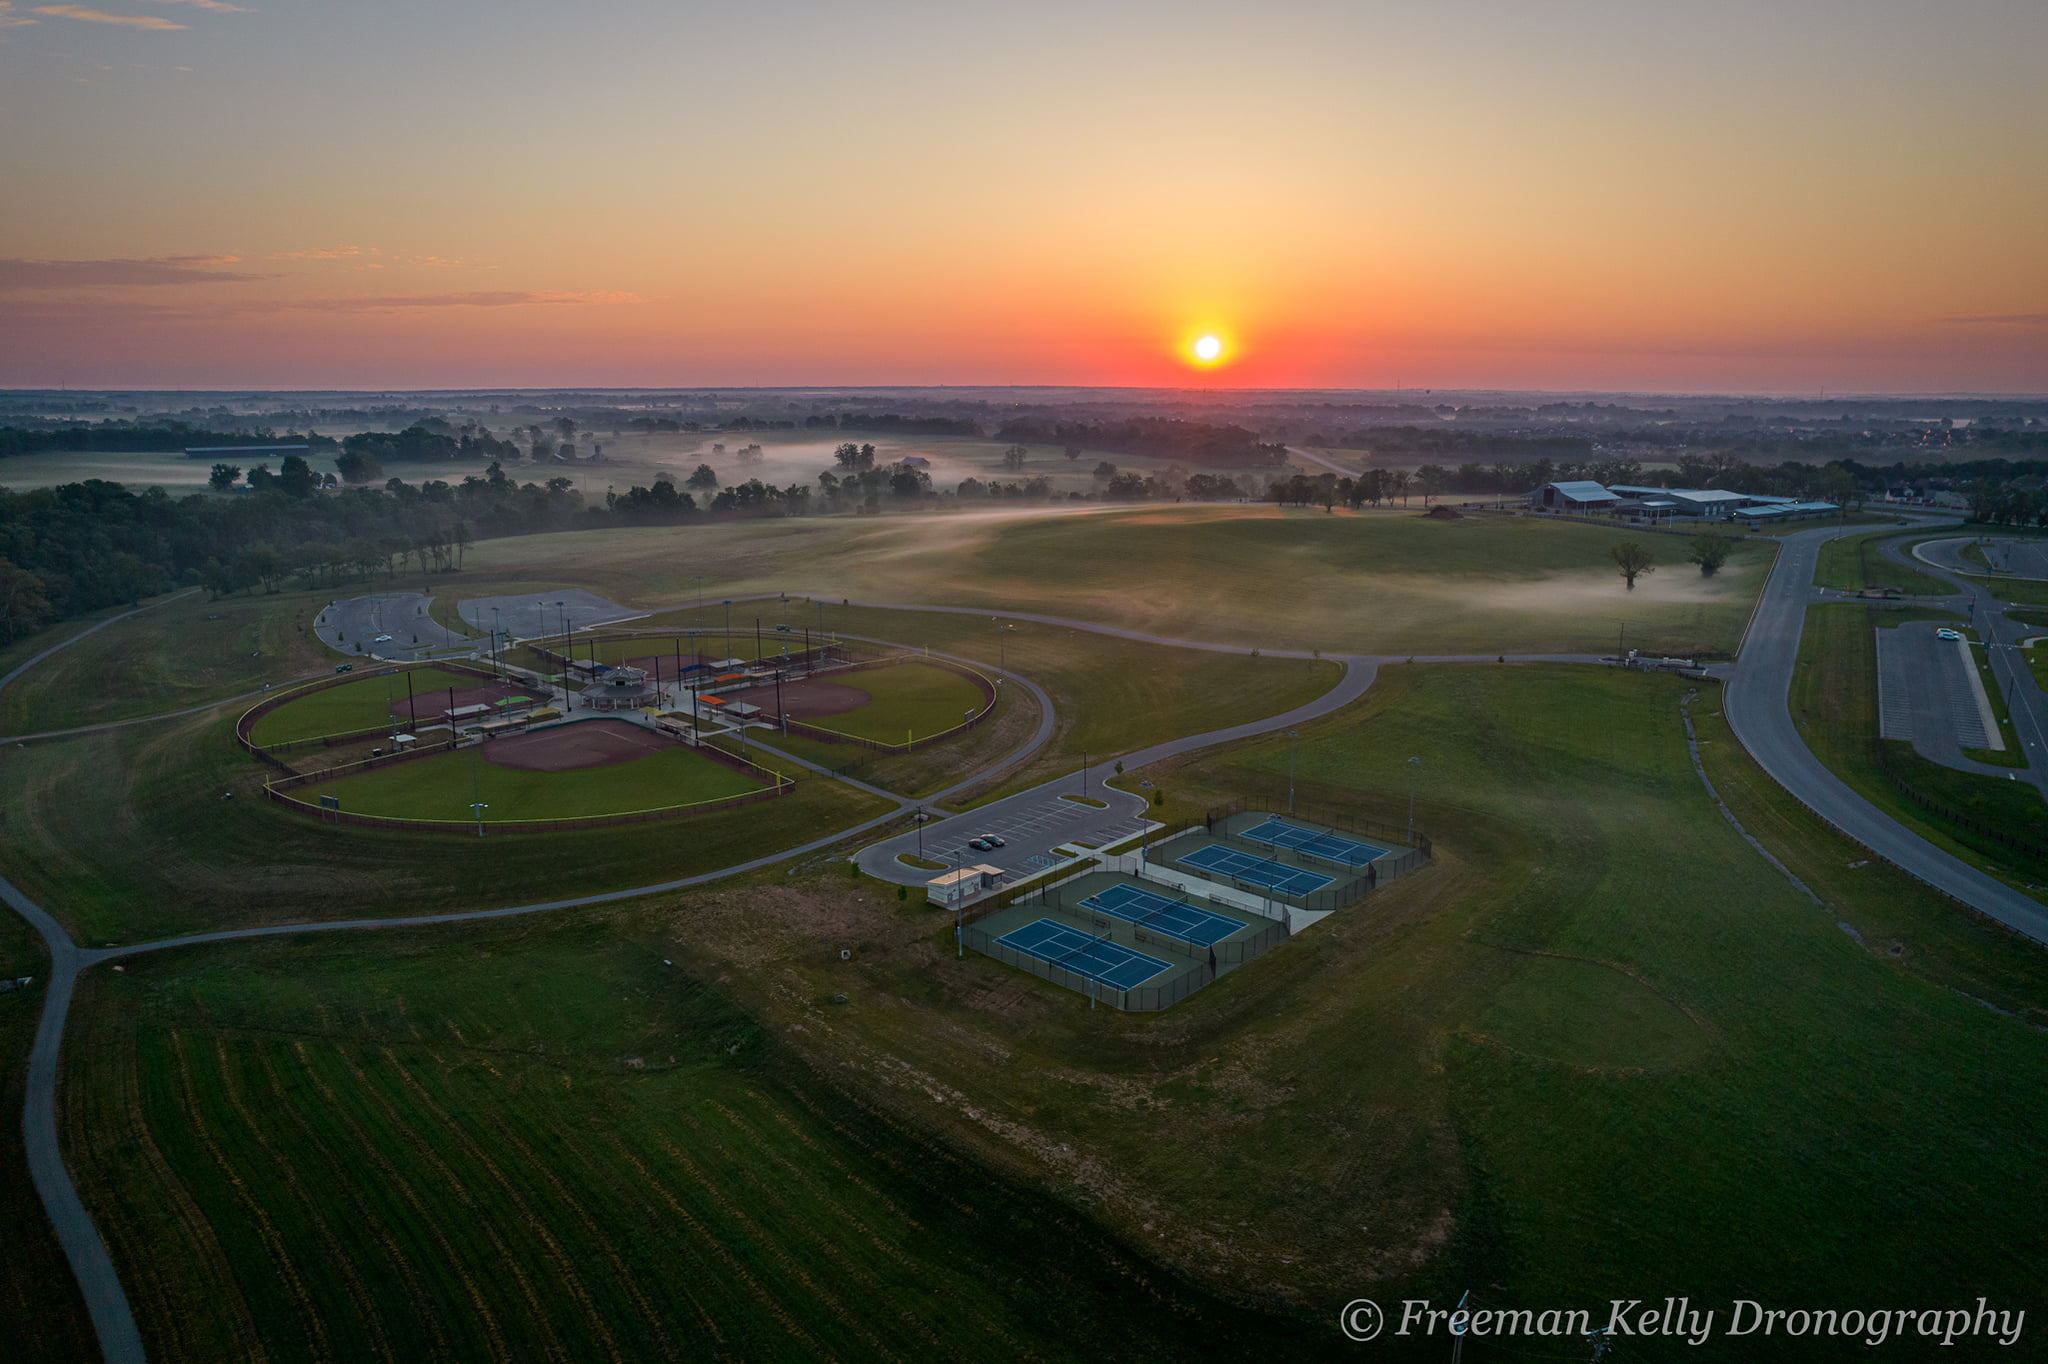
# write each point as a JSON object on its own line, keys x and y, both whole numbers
{"x": 1174, "y": 918}
{"x": 1345, "y": 852}
{"x": 1259, "y": 871}
{"x": 1072, "y": 950}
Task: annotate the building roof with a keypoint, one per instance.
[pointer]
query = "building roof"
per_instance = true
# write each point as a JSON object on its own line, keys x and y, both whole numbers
{"x": 1583, "y": 490}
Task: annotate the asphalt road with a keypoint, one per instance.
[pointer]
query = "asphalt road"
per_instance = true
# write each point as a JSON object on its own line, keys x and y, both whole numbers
{"x": 1757, "y": 704}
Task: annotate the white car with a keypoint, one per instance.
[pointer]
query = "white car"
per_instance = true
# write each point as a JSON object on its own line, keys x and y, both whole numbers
{"x": 381, "y": 639}
{"x": 1946, "y": 633}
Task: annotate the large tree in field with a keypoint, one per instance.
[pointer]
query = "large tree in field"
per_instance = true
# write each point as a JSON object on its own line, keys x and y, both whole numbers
{"x": 24, "y": 609}
{"x": 1633, "y": 561}
{"x": 1709, "y": 550}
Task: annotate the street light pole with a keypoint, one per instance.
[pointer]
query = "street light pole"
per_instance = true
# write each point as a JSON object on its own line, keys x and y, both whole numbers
{"x": 1292, "y": 735}
{"x": 1414, "y": 766}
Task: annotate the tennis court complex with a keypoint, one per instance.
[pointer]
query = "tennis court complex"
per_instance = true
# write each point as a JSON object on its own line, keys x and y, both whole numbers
{"x": 1257, "y": 871}
{"x": 1159, "y": 913}
{"x": 1345, "y": 852}
{"x": 1072, "y": 950}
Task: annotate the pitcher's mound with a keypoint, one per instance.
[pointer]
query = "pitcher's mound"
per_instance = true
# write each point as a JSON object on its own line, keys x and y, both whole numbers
{"x": 568, "y": 748}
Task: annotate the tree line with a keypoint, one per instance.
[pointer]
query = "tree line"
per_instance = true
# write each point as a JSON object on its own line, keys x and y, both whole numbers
{"x": 1157, "y": 437}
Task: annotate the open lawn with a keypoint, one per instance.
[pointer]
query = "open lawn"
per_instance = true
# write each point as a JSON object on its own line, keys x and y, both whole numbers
{"x": 537, "y": 1142}
{"x": 1376, "y": 582}
{"x": 442, "y": 787}
{"x": 907, "y": 700}
{"x": 183, "y": 653}
{"x": 188, "y": 860}
{"x": 1853, "y": 562}
{"x": 42, "y": 1316}
{"x": 1109, "y": 695}
{"x": 1834, "y": 704}
{"x": 1541, "y": 1065}
{"x": 350, "y": 707}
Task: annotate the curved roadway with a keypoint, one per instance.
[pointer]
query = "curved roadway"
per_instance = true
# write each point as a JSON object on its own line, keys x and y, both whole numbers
{"x": 1756, "y": 706}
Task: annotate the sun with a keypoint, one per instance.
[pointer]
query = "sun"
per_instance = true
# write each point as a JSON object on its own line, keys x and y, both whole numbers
{"x": 1208, "y": 349}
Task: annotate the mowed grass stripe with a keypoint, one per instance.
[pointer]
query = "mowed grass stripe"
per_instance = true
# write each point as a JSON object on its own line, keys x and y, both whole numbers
{"x": 366, "y": 703}
{"x": 443, "y": 787}
{"x": 908, "y": 701}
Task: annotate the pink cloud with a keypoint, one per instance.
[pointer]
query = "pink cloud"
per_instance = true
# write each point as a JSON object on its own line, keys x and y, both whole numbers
{"x": 494, "y": 298}
{"x": 318, "y": 253}
{"x": 16, "y": 273}
{"x": 100, "y": 16}
{"x": 8, "y": 19}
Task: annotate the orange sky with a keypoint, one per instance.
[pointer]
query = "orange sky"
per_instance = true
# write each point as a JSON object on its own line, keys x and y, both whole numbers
{"x": 1576, "y": 196}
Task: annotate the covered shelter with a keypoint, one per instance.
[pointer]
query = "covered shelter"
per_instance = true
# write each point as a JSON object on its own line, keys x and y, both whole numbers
{"x": 1573, "y": 495}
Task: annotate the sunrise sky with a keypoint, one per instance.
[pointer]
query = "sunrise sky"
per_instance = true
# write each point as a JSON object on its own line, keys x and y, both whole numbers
{"x": 1780, "y": 197}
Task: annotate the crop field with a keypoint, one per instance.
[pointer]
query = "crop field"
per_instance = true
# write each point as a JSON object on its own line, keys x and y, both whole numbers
{"x": 189, "y": 860}
{"x": 443, "y": 787}
{"x": 1382, "y": 582}
{"x": 349, "y": 708}
{"x": 538, "y": 1142}
{"x": 183, "y": 653}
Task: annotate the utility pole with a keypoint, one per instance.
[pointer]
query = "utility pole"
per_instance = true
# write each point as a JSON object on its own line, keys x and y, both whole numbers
{"x": 1414, "y": 766}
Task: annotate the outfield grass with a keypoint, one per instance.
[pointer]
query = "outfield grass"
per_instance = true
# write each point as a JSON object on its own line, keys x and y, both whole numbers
{"x": 1255, "y": 575}
{"x": 188, "y": 861}
{"x": 537, "y": 1142}
{"x": 1834, "y": 705}
{"x": 906, "y": 700}
{"x": 1109, "y": 695}
{"x": 443, "y": 787}
{"x": 1853, "y": 562}
{"x": 352, "y": 706}
{"x": 180, "y": 654}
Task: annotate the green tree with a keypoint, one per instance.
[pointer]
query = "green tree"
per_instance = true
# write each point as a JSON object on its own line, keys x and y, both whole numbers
{"x": 1430, "y": 480}
{"x": 1633, "y": 561}
{"x": 703, "y": 476}
{"x": 1013, "y": 458}
{"x": 224, "y": 477}
{"x": 1709, "y": 551}
{"x": 295, "y": 478}
{"x": 24, "y": 605}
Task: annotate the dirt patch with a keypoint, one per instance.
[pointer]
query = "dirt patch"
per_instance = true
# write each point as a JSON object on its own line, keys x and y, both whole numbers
{"x": 805, "y": 700}
{"x": 569, "y": 748}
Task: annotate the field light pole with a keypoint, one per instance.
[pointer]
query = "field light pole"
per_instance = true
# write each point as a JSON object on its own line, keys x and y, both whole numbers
{"x": 700, "y": 591}
{"x": 1292, "y": 735}
{"x": 479, "y": 807}
{"x": 728, "y": 629}
{"x": 497, "y": 654}
{"x": 1414, "y": 766}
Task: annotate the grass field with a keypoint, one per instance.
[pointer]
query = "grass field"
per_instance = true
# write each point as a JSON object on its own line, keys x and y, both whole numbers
{"x": 184, "y": 653}
{"x": 42, "y": 1316}
{"x": 442, "y": 788}
{"x": 1852, "y": 563}
{"x": 907, "y": 700}
{"x": 350, "y": 707}
{"x": 540, "y": 1143}
{"x": 188, "y": 861}
{"x": 1547, "y": 1063}
{"x": 1834, "y": 704}
{"x": 1252, "y": 575}
{"x": 1109, "y": 695}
